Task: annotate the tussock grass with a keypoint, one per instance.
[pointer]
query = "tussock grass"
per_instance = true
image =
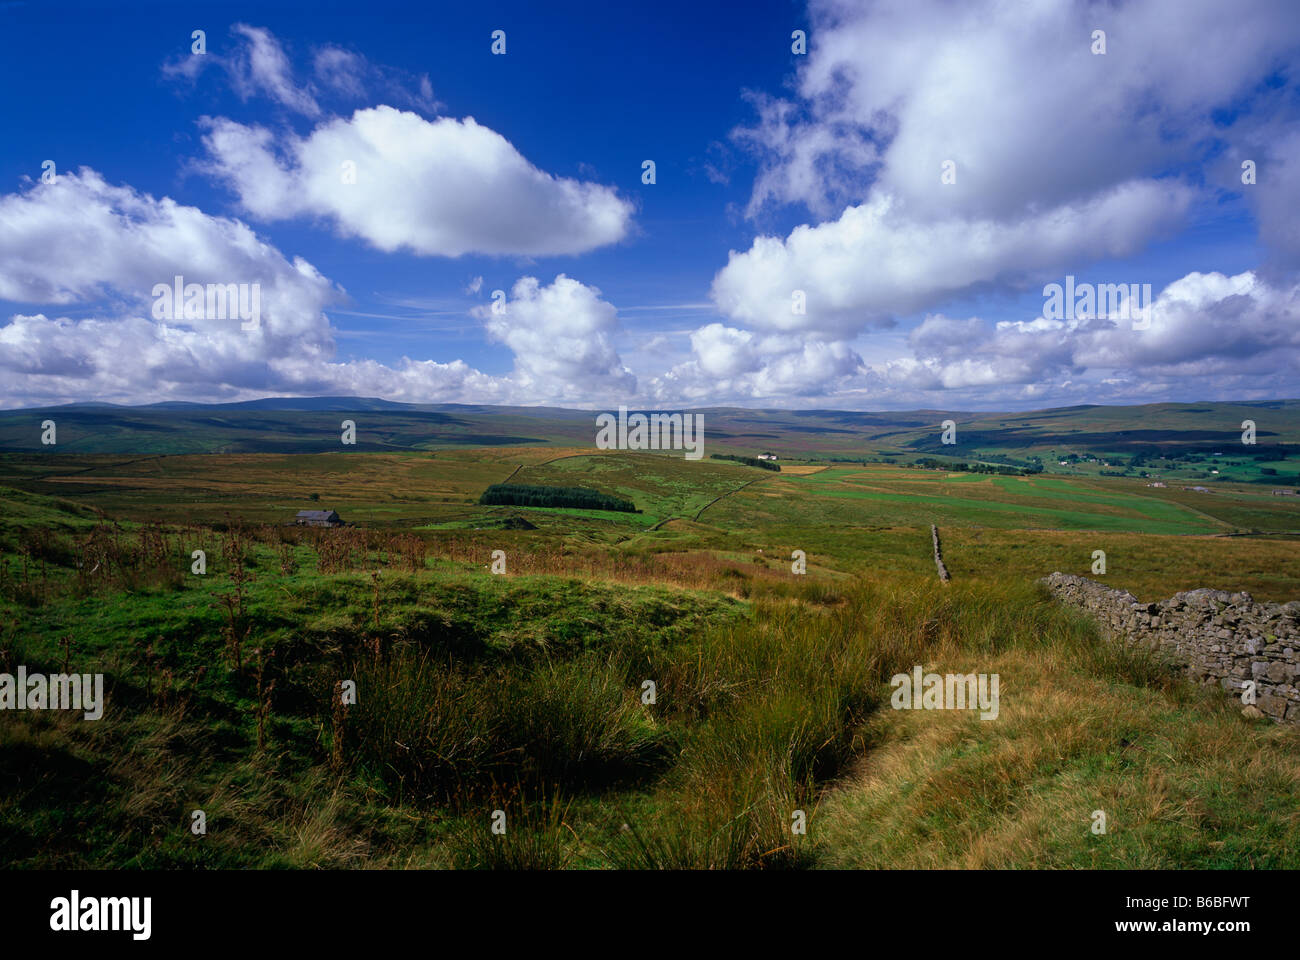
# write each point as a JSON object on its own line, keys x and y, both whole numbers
{"x": 537, "y": 837}
{"x": 433, "y": 731}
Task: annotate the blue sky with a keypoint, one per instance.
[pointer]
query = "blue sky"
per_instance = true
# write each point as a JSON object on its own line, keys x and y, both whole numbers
{"x": 775, "y": 173}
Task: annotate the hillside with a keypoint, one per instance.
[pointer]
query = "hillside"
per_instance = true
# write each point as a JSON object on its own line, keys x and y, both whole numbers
{"x": 1200, "y": 441}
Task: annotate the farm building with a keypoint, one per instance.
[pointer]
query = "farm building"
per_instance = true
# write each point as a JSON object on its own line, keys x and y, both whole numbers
{"x": 1284, "y": 493}
{"x": 318, "y": 518}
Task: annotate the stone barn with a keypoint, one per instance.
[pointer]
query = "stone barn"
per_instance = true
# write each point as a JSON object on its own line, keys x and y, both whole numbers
{"x": 318, "y": 518}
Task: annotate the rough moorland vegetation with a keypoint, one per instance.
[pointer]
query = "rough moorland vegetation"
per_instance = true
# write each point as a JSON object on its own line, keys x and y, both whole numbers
{"x": 622, "y": 696}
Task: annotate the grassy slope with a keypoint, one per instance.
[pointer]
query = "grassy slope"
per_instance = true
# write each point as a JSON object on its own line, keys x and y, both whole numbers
{"x": 1183, "y": 783}
{"x": 180, "y": 729}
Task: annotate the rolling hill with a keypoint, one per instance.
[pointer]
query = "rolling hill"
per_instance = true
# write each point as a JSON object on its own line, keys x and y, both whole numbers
{"x": 312, "y": 424}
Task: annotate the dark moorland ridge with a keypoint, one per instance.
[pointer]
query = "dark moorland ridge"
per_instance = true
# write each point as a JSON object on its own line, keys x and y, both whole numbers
{"x": 312, "y": 424}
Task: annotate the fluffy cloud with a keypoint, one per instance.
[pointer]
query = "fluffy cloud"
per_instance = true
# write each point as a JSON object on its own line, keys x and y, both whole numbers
{"x": 1013, "y": 95}
{"x": 723, "y": 352}
{"x": 135, "y": 360}
{"x": 82, "y": 239}
{"x": 441, "y": 188}
{"x": 874, "y": 261}
{"x": 560, "y": 335}
{"x": 729, "y": 365}
{"x": 1209, "y": 334}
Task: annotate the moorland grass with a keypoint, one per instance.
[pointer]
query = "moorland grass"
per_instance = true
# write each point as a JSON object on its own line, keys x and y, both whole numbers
{"x": 524, "y": 693}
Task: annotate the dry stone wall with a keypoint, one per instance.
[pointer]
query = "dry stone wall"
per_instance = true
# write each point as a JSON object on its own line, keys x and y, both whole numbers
{"x": 1222, "y": 639}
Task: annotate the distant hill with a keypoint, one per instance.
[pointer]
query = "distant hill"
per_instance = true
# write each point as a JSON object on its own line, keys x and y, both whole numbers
{"x": 1089, "y": 437}
{"x": 286, "y": 403}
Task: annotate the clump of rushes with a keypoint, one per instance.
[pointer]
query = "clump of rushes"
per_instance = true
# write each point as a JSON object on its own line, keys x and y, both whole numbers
{"x": 435, "y": 731}
{"x": 536, "y": 836}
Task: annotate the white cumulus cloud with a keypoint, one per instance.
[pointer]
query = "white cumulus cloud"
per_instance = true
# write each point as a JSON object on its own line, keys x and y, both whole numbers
{"x": 561, "y": 338}
{"x": 445, "y": 187}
